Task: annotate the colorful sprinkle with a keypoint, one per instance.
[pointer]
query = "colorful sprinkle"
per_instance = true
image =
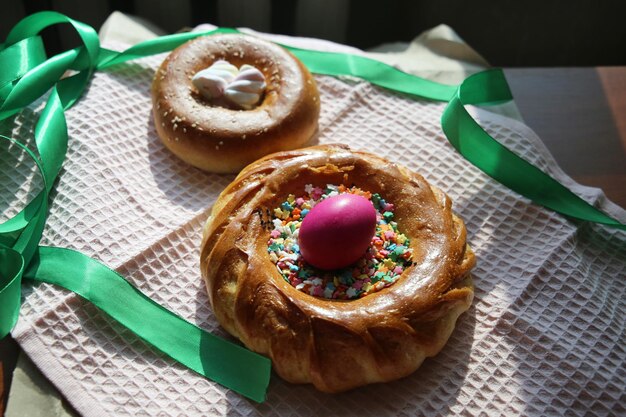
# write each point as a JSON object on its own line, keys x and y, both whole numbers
{"x": 382, "y": 264}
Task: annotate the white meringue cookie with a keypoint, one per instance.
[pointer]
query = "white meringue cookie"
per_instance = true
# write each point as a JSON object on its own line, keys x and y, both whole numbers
{"x": 244, "y": 100}
{"x": 251, "y": 73}
{"x": 247, "y": 87}
{"x": 212, "y": 82}
{"x": 242, "y": 87}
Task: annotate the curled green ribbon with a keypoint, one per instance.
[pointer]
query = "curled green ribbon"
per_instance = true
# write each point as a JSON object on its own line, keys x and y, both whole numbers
{"x": 30, "y": 77}
{"x": 497, "y": 161}
{"x": 26, "y": 74}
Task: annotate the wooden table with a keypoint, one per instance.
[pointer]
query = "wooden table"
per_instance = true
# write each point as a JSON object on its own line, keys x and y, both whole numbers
{"x": 580, "y": 114}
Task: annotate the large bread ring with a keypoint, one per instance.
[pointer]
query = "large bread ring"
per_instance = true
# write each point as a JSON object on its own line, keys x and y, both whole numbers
{"x": 220, "y": 139}
{"x": 336, "y": 345}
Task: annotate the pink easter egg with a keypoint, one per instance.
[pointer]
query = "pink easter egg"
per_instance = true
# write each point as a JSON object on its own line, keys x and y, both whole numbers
{"x": 337, "y": 231}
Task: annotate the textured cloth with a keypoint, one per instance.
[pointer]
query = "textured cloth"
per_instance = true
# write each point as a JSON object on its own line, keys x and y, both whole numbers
{"x": 545, "y": 333}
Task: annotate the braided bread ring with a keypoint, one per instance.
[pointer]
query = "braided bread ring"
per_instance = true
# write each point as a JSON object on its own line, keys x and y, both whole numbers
{"x": 336, "y": 345}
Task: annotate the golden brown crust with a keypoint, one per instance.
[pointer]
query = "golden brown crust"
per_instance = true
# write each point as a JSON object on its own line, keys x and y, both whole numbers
{"x": 336, "y": 345}
{"x": 219, "y": 139}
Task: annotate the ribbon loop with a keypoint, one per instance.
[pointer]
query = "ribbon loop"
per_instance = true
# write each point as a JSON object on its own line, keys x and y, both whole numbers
{"x": 38, "y": 79}
{"x": 35, "y": 23}
{"x": 19, "y": 58}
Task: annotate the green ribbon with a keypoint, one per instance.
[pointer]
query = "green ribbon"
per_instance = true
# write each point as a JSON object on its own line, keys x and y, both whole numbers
{"x": 497, "y": 161}
{"x": 26, "y": 74}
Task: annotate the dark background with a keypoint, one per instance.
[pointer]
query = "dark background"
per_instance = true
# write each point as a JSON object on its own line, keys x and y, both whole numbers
{"x": 509, "y": 33}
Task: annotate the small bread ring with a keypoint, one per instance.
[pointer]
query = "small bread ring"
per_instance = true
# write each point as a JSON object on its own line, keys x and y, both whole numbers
{"x": 220, "y": 139}
{"x": 336, "y": 345}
